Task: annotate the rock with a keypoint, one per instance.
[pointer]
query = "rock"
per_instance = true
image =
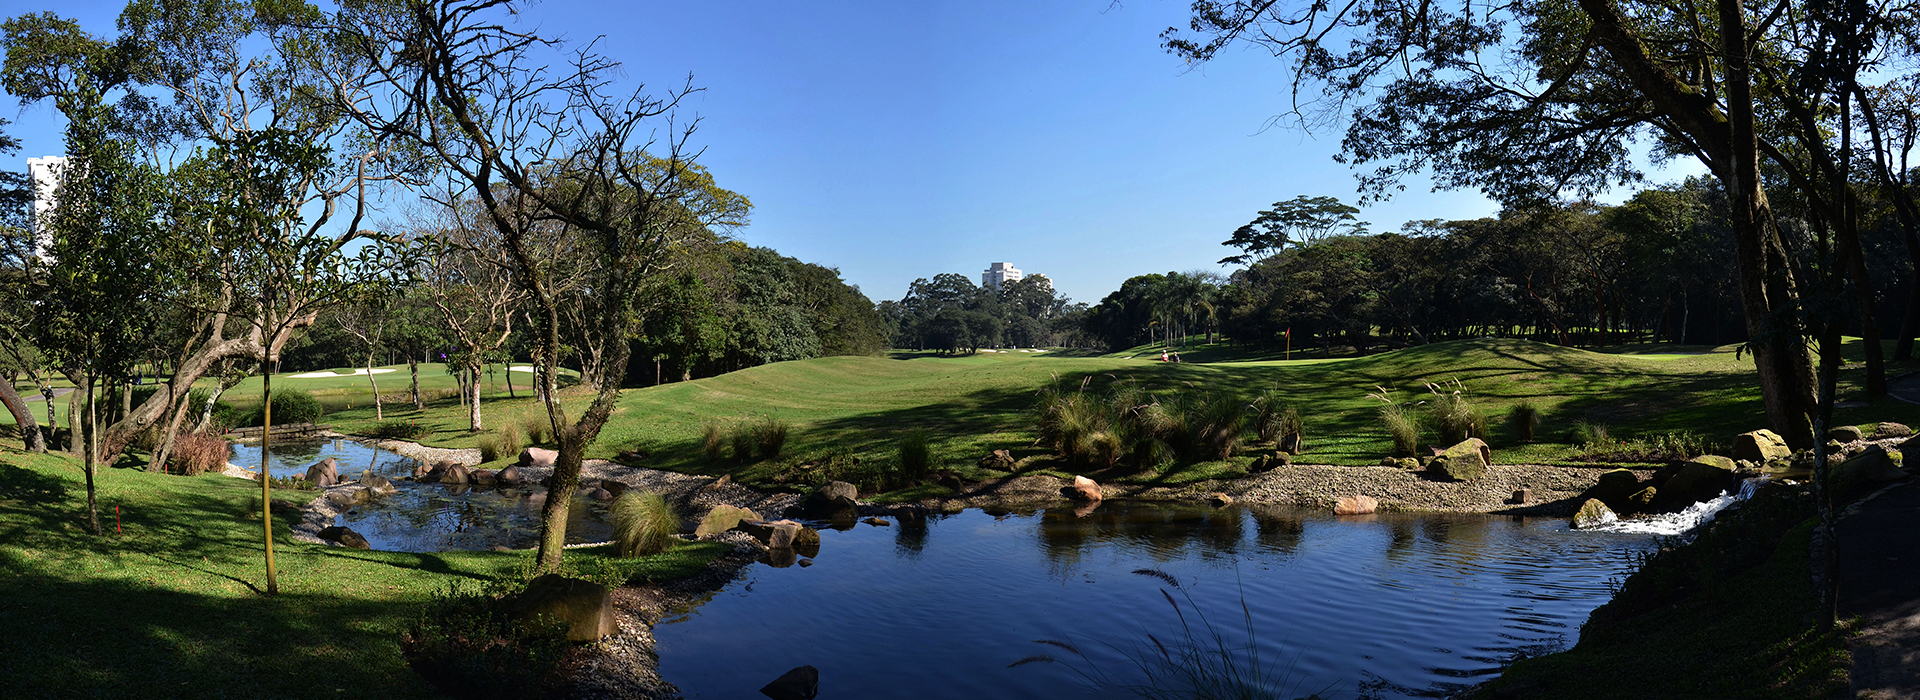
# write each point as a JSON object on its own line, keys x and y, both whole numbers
{"x": 509, "y": 476}
{"x": 1761, "y": 446}
{"x": 376, "y": 483}
{"x": 1219, "y": 500}
{"x": 617, "y": 488}
{"x": 1355, "y": 505}
{"x": 1269, "y": 462}
{"x": 421, "y": 469}
{"x": 600, "y": 494}
{"x": 483, "y": 477}
{"x": 585, "y": 607}
{"x": 1593, "y": 513}
{"x": 1891, "y": 430}
{"x": 717, "y": 484}
{"x": 537, "y": 457}
{"x": 1521, "y": 497}
{"x": 1083, "y": 489}
{"x": 457, "y": 474}
{"x": 801, "y": 683}
{"x": 999, "y": 460}
{"x": 775, "y": 534}
{"x": 1292, "y": 443}
{"x": 1835, "y": 447}
{"x": 347, "y": 498}
{"x": 1614, "y": 487}
{"x": 804, "y": 563}
{"x": 438, "y": 472}
{"x": 1410, "y": 464}
{"x": 1465, "y": 461}
{"x": 1642, "y": 500}
{"x": 323, "y": 474}
{"x": 1845, "y": 433}
{"x": 876, "y": 522}
{"x": 632, "y": 457}
{"x": 1874, "y": 466}
{"x": 1698, "y": 479}
{"x": 832, "y": 497}
{"x": 345, "y": 537}
{"x": 723, "y": 518}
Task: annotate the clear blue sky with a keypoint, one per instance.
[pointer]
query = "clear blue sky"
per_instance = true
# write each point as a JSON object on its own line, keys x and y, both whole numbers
{"x": 896, "y": 140}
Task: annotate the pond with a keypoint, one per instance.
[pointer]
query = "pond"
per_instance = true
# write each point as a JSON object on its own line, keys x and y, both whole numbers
{"x": 430, "y": 517}
{"x": 1385, "y": 606}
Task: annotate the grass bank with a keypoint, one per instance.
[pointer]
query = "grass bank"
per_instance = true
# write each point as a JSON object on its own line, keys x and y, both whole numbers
{"x": 168, "y": 602}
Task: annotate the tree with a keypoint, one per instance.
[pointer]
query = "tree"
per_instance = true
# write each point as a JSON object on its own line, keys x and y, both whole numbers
{"x": 18, "y": 247}
{"x": 1529, "y": 101}
{"x": 1299, "y": 221}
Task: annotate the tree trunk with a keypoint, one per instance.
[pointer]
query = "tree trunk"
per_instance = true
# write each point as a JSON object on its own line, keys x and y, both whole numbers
{"x": 560, "y": 490}
{"x": 473, "y": 397}
{"x": 159, "y": 462}
{"x": 377, "y": 414}
{"x": 88, "y": 450}
{"x": 413, "y": 369}
{"x": 266, "y": 477}
{"x": 29, "y": 430}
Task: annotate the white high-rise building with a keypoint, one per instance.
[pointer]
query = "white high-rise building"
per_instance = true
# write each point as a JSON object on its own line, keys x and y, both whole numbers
{"x": 45, "y": 172}
{"x": 997, "y": 274}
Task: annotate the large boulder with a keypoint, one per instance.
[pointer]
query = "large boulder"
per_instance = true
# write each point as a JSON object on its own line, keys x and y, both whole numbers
{"x": 1355, "y": 505}
{"x": 1269, "y": 462}
{"x": 1083, "y": 489}
{"x": 421, "y": 470}
{"x": 344, "y": 537}
{"x": 617, "y": 488}
{"x": 323, "y": 474}
{"x": 1593, "y": 513}
{"x": 1465, "y": 461}
{"x": 1891, "y": 430}
{"x": 722, "y": 518}
{"x": 1761, "y": 446}
{"x": 379, "y": 485}
{"x": 537, "y": 457}
{"x": 1845, "y": 434}
{"x": 509, "y": 476}
{"x": 483, "y": 477}
{"x": 833, "y": 497}
{"x": 456, "y": 474}
{"x": 348, "y": 497}
{"x": 1615, "y": 487}
{"x": 1872, "y": 468}
{"x": 1698, "y": 479}
{"x": 585, "y": 607}
{"x": 801, "y": 683}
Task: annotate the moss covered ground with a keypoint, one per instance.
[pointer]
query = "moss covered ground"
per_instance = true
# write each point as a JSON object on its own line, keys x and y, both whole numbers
{"x": 167, "y": 603}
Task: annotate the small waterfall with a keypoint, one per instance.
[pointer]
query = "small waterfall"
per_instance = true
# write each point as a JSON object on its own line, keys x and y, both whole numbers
{"x": 1684, "y": 521}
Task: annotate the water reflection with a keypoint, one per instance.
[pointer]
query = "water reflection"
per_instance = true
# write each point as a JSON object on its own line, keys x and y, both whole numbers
{"x": 1394, "y": 605}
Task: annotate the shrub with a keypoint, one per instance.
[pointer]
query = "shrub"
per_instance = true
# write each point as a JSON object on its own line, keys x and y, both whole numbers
{"x": 771, "y": 435}
{"x": 1273, "y": 420}
{"x": 504, "y": 442}
{"x": 1454, "y": 415}
{"x": 466, "y": 646}
{"x": 714, "y": 441}
{"x": 1523, "y": 419}
{"x": 1659, "y": 447}
{"x": 399, "y": 429}
{"x": 643, "y": 524}
{"x": 1217, "y": 422}
{"x": 1588, "y": 434}
{"x": 198, "y": 453}
{"x": 742, "y": 439}
{"x": 916, "y": 456}
{"x": 1403, "y": 427}
{"x": 536, "y": 429}
{"x": 291, "y": 406}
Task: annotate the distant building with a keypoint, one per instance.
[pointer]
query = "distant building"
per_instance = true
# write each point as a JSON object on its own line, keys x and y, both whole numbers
{"x": 997, "y": 274}
{"x": 45, "y": 172}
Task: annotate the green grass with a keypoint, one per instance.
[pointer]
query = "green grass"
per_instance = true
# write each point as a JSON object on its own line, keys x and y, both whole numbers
{"x": 169, "y": 606}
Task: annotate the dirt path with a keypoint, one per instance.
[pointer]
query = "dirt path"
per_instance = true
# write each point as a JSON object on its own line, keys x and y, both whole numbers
{"x": 1880, "y": 582}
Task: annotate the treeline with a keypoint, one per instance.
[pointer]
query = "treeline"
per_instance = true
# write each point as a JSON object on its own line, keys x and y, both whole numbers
{"x": 951, "y": 314}
{"x": 1660, "y": 267}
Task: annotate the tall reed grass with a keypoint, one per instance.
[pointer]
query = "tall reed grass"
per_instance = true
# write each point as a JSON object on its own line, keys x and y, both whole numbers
{"x": 643, "y": 523}
{"x": 1402, "y": 425}
{"x": 1454, "y": 415}
{"x": 1129, "y": 423}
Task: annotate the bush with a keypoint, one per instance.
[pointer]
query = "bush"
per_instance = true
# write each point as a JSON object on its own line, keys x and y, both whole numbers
{"x": 291, "y": 406}
{"x": 198, "y": 453}
{"x": 916, "y": 456}
{"x": 742, "y": 439}
{"x": 1660, "y": 447}
{"x": 467, "y": 647}
{"x": 536, "y": 429}
{"x": 399, "y": 429}
{"x": 714, "y": 441}
{"x": 771, "y": 436}
{"x": 1274, "y": 421}
{"x": 1588, "y": 434}
{"x": 1217, "y": 422}
{"x": 643, "y": 524}
{"x": 502, "y": 443}
{"x": 1454, "y": 415}
{"x": 1523, "y": 420}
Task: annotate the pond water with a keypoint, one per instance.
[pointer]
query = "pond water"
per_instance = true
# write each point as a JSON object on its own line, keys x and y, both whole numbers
{"x": 1384, "y": 606}
{"x": 430, "y": 517}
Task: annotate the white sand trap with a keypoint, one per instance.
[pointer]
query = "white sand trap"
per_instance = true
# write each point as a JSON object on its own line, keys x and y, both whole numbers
{"x": 528, "y": 370}
{"x": 356, "y": 373}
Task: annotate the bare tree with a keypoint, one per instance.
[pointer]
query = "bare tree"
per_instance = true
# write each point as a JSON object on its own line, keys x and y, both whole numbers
{"x": 467, "y": 276}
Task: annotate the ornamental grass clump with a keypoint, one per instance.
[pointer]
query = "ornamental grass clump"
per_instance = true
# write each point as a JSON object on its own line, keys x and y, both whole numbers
{"x": 1454, "y": 415}
{"x": 502, "y": 443}
{"x": 1402, "y": 425}
{"x": 713, "y": 441}
{"x": 742, "y": 439}
{"x": 198, "y": 453}
{"x": 1217, "y": 421}
{"x": 770, "y": 436}
{"x": 536, "y": 429}
{"x": 643, "y": 524}
{"x": 1275, "y": 423}
{"x": 1524, "y": 420}
{"x": 916, "y": 456}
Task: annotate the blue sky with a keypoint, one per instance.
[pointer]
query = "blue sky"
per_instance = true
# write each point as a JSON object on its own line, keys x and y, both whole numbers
{"x": 897, "y": 140}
